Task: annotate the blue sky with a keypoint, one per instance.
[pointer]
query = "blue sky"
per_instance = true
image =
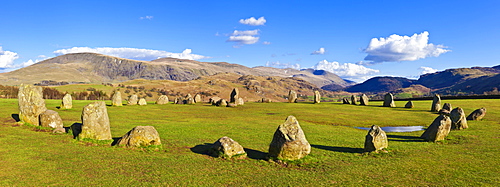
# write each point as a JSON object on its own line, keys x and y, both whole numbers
{"x": 355, "y": 39}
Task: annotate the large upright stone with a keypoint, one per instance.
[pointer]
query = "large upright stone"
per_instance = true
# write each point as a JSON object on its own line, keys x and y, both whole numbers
{"x": 447, "y": 106}
{"x": 226, "y": 147}
{"x": 317, "y": 97}
{"x": 436, "y": 103}
{"x": 214, "y": 100}
{"x": 289, "y": 141}
{"x": 292, "y": 96}
{"x": 345, "y": 101}
{"x": 51, "y": 119}
{"x": 140, "y": 136}
{"x": 409, "y": 104}
{"x": 363, "y": 100}
{"x": 458, "y": 120}
{"x": 353, "y": 100}
{"x": 67, "y": 102}
{"x": 438, "y": 130}
{"x": 197, "y": 98}
{"x": 117, "y": 99}
{"x": 235, "y": 94}
{"x": 389, "y": 100}
{"x": 31, "y": 103}
{"x": 376, "y": 139}
{"x": 142, "y": 102}
{"x": 95, "y": 122}
{"x": 240, "y": 101}
{"x": 133, "y": 100}
{"x": 477, "y": 115}
{"x": 163, "y": 99}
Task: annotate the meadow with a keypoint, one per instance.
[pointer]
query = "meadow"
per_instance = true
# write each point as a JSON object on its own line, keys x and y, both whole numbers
{"x": 30, "y": 156}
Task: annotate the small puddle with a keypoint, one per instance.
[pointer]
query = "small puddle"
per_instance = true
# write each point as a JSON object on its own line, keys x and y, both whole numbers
{"x": 397, "y": 129}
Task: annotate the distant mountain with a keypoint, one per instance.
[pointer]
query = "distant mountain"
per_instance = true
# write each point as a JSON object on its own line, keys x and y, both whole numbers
{"x": 96, "y": 68}
{"x": 381, "y": 84}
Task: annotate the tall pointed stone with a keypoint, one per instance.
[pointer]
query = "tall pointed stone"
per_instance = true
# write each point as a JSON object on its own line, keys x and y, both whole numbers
{"x": 95, "y": 122}
{"x": 197, "y": 98}
{"x": 117, "y": 99}
{"x": 235, "y": 94}
{"x": 67, "y": 102}
{"x": 363, "y": 100}
{"x": 389, "y": 100}
{"x": 376, "y": 139}
{"x": 292, "y": 96}
{"x": 31, "y": 103}
{"x": 458, "y": 120}
{"x": 345, "y": 101}
{"x": 317, "y": 96}
{"x": 289, "y": 141}
{"x": 438, "y": 130}
{"x": 353, "y": 100}
{"x": 436, "y": 103}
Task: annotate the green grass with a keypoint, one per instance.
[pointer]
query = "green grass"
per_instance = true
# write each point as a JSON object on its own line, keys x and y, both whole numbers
{"x": 30, "y": 157}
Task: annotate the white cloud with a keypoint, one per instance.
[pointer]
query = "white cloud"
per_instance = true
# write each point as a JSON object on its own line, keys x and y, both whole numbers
{"x": 147, "y": 17}
{"x": 266, "y": 43}
{"x": 278, "y": 64}
{"x": 244, "y": 37}
{"x": 321, "y": 51}
{"x": 7, "y": 58}
{"x": 252, "y": 21}
{"x": 346, "y": 70}
{"x": 397, "y": 48}
{"x": 426, "y": 70}
{"x": 132, "y": 53}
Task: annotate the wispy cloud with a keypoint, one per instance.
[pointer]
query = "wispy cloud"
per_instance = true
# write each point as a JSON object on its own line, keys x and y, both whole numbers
{"x": 320, "y": 51}
{"x": 426, "y": 70}
{"x": 133, "y": 53}
{"x": 244, "y": 37}
{"x": 397, "y": 48}
{"x": 147, "y": 17}
{"x": 266, "y": 43}
{"x": 350, "y": 71}
{"x": 252, "y": 21}
{"x": 278, "y": 64}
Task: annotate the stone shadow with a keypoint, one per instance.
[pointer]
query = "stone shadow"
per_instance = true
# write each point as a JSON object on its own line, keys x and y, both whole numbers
{"x": 16, "y": 117}
{"x": 76, "y": 128}
{"x": 254, "y": 154}
{"x": 339, "y": 149}
{"x": 202, "y": 148}
{"x": 399, "y": 138}
{"x": 115, "y": 140}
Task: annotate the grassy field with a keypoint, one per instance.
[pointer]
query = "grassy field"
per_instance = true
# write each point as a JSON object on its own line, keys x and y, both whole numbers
{"x": 468, "y": 157}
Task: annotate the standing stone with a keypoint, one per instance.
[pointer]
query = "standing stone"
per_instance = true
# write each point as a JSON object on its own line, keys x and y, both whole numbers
{"x": 409, "y": 104}
{"x": 221, "y": 102}
{"x": 226, "y": 147}
{"x": 289, "y": 141}
{"x": 240, "y": 101}
{"x": 133, "y": 100}
{"x": 140, "y": 136}
{"x": 477, "y": 115}
{"x": 353, "y": 100}
{"x": 363, "y": 100}
{"x": 266, "y": 100}
{"x": 163, "y": 99}
{"x": 31, "y": 103}
{"x": 389, "y": 100}
{"x": 142, "y": 102}
{"x": 95, "y": 122}
{"x": 189, "y": 100}
{"x": 436, "y": 103}
{"x": 292, "y": 96}
{"x": 376, "y": 139}
{"x": 197, "y": 98}
{"x": 67, "y": 102}
{"x": 117, "y": 99}
{"x": 214, "y": 100}
{"x": 447, "y": 106}
{"x": 345, "y": 101}
{"x": 458, "y": 120}
{"x": 438, "y": 130}
{"x": 235, "y": 94}
{"x": 179, "y": 100}
{"x": 317, "y": 97}
{"x": 51, "y": 119}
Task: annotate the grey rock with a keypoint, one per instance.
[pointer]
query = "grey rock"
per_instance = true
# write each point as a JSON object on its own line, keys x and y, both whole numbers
{"x": 226, "y": 147}
{"x": 447, "y": 106}
{"x": 477, "y": 115}
{"x": 292, "y": 96}
{"x": 375, "y": 140}
{"x": 436, "y": 103}
{"x": 289, "y": 141}
{"x": 438, "y": 130}
{"x": 353, "y": 100}
{"x": 142, "y": 102}
{"x": 409, "y": 104}
{"x": 266, "y": 100}
{"x": 458, "y": 120}
{"x": 51, "y": 119}
{"x": 117, "y": 99}
{"x": 163, "y": 99}
{"x": 140, "y": 136}
{"x": 133, "y": 100}
{"x": 197, "y": 98}
{"x": 389, "y": 100}
{"x": 363, "y": 100}
{"x": 31, "y": 104}
{"x": 345, "y": 101}
{"x": 221, "y": 102}
{"x": 235, "y": 94}
{"x": 317, "y": 97}
{"x": 240, "y": 101}
{"x": 67, "y": 102}
{"x": 214, "y": 100}
{"x": 95, "y": 122}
